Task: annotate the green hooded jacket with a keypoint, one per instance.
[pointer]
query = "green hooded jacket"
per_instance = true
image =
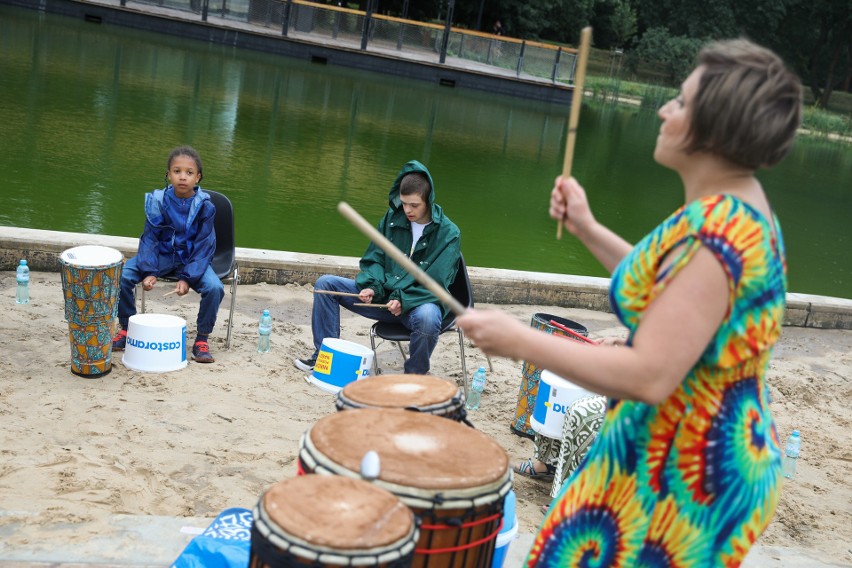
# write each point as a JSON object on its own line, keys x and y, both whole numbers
{"x": 437, "y": 253}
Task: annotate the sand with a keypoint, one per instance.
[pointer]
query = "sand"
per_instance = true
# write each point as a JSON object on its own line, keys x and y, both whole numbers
{"x": 196, "y": 441}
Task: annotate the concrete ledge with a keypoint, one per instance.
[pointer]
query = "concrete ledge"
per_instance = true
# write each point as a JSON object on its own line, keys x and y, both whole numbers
{"x": 491, "y": 285}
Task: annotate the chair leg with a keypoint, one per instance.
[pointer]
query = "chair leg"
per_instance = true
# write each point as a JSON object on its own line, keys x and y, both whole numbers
{"x": 142, "y": 310}
{"x": 233, "y": 302}
{"x": 376, "y": 369}
{"x": 463, "y": 363}
{"x": 490, "y": 366}
{"x": 399, "y": 346}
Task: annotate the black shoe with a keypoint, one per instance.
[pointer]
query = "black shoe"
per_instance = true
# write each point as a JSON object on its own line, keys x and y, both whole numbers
{"x": 306, "y": 365}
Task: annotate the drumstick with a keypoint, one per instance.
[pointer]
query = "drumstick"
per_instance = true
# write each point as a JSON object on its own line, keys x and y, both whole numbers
{"x": 169, "y": 293}
{"x": 380, "y": 306}
{"x": 576, "y": 103}
{"x": 333, "y": 293}
{"x": 383, "y": 243}
{"x": 572, "y": 332}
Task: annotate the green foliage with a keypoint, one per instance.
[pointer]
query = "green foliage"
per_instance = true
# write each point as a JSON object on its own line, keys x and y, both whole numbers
{"x": 823, "y": 122}
{"x": 674, "y": 55}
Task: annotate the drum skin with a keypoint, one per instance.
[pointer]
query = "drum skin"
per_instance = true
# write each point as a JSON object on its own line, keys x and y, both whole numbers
{"x": 423, "y": 393}
{"x": 319, "y": 520}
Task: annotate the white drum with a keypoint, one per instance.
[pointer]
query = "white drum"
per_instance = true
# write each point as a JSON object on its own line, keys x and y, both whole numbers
{"x": 156, "y": 343}
{"x": 555, "y": 395}
{"x": 339, "y": 362}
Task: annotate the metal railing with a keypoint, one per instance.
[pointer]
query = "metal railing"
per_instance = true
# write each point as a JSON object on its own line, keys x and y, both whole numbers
{"x": 379, "y": 33}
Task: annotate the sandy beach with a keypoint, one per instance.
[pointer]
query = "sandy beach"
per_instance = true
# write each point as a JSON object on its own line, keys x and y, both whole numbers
{"x": 196, "y": 441}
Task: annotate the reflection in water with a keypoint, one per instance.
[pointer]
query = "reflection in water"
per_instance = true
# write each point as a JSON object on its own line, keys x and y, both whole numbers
{"x": 90, "y": 112}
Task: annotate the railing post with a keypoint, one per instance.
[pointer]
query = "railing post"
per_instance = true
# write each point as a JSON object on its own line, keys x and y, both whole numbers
{"x": 124, "y": 2}
{"x": 204, "y": 8}
{"x": 365, "y": 33}
{"x": 285, "y": 19}
{"x": 574, "y": 67}
{"x": 224, "y": 7}
{"x": 556, "y": 65}
{"x": 445, "y": 42}
{"x": 521, "y": 57}
{"x": 488, "y": 55}
{"x": 336, "y": 28}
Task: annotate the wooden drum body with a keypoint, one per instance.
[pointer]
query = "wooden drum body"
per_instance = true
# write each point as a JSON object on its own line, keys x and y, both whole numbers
{"x": 423, "y": 393}
{"x": 319, "y": 520}
{"x": 453, "y": 477}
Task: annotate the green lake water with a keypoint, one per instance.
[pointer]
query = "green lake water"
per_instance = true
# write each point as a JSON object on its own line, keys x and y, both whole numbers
{"x": 89, "y": 113}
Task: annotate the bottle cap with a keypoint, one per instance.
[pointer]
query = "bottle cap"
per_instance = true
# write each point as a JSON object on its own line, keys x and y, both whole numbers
{"x": 796, "y": 433}
{"x": 266, "y": 312}
{"x": 23, "y": 262}
{"x": 482, "y": 369}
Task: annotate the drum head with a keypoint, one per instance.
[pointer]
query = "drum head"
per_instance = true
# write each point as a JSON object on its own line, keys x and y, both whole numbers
{"x": 415, "y": 450}
{"x": 337, "y": 512}
{"x": 91, "y": 256}
{"x": 400, "y": 391}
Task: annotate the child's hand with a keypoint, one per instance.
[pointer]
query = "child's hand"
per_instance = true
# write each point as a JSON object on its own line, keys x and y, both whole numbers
{"x": 182, "y": 288}
{"x": 148, "y": 283}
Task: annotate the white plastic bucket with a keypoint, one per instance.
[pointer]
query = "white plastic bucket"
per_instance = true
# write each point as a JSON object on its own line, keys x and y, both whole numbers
{"x": 156, "y": 343}
{"x": 339, "y": 362}
{"x": 555, "y": 395}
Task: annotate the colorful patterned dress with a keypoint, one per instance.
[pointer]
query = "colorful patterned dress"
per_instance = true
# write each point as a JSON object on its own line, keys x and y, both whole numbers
{"x": 694, "y": 480}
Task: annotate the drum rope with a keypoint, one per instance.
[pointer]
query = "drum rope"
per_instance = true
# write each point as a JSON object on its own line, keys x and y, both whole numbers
{"x": 461, "y": 547}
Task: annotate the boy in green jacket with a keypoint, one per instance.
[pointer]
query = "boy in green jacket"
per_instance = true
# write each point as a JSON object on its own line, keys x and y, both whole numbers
{"x": 419, "y": 228}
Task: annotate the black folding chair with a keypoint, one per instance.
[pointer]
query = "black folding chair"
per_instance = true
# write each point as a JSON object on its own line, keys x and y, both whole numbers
{"x": 224, "y": 258}
{"x": 392, "y": 331}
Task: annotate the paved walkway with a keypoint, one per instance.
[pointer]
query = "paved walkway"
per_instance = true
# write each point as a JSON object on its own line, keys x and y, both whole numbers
{"x": 155, "y": 542}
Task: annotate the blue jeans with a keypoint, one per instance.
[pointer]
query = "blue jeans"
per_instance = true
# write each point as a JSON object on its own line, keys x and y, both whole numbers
{"x": 424, "y": 321}
{"x": 210, "y": 287}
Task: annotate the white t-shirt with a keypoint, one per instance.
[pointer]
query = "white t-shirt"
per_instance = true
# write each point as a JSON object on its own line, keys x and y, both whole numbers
{"x": 416, "y": 232}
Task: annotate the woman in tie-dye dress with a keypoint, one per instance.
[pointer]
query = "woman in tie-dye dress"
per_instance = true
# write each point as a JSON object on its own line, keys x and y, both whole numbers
{"x": 686, "y": 467}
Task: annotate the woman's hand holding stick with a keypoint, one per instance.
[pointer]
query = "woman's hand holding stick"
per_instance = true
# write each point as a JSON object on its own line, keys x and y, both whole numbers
{"x": 576, "y": 103}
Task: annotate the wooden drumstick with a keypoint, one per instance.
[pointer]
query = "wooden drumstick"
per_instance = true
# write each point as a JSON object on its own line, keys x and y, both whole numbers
{"x": 169, "y": 293}
{"x": 333, "y": 293}
{"x": 383, "y": 243}
{"x": 576, "y": 103}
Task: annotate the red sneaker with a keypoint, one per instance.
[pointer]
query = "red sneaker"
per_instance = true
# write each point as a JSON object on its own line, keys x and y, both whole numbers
{"x": 201, "y": 352}
{"x": 119, "y": 342}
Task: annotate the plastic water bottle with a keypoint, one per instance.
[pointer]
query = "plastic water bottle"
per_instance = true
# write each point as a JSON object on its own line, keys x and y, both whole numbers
{"x": 264, "y": 330}
{"x": 477, "y": 385}
{"x": 791, "y": 455}
{"x": 23, "y": 278}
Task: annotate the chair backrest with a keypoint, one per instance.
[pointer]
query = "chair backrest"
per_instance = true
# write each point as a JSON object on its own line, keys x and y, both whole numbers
{"x": 460, "y": 290}
{"x": 225, "y": 255}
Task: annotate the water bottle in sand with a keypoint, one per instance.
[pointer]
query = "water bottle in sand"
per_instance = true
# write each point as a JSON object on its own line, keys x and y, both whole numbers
{"x": 23, "y": 277}
{"x": 477, "y": 385}
{"x": 791, "y": 455}
{"x": 264, "y": 330}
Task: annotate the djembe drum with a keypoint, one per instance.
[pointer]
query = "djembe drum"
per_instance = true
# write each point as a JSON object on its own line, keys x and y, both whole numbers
{"x": 322, "y": 520}
{"x": 454, "y": 478}
{"x": 422, "y": 393}
{"x": 91, "y": 279}
{"x": 532, "y": 373}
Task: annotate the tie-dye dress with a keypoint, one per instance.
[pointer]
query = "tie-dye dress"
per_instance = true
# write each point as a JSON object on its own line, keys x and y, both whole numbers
{"x": 694, "y": 480}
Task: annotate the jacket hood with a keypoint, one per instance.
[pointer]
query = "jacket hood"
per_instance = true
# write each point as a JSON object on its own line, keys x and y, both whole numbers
{"x": 411, "y": 167}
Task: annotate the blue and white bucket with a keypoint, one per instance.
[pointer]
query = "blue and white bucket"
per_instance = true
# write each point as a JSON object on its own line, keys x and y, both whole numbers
{"x": 339, "y": 362}
{"x": 156, "y": 343}
{"x": 555, "y": 396}
{"x": 507, "y": 533}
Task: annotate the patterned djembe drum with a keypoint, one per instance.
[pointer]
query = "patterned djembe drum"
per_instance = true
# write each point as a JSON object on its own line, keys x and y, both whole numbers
{"x": 91, "y": 279}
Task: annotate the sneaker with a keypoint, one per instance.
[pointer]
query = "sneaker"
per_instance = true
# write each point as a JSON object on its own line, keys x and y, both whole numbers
{"x": 201, "y": 352}
{"x": 119, "y": 342}
{"x": 306, "y": 365}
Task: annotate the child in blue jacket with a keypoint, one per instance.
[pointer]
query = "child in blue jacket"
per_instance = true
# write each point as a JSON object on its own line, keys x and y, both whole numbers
{"x": 179, "y": 241}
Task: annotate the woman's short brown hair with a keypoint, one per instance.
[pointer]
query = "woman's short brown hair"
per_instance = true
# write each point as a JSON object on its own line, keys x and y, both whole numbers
{"x": 747, "y": 107}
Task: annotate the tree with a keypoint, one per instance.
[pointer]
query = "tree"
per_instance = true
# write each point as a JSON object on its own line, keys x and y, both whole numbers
{"x": 674, "y": 55}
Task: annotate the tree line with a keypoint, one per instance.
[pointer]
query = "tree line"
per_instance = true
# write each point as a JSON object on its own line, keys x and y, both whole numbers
{"x": 813, "y": 36}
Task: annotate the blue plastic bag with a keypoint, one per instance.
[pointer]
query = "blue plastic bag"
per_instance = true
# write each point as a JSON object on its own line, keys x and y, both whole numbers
{"x": 225, "y": 544}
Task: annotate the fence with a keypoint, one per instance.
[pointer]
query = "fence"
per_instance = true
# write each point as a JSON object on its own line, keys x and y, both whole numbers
{"x": 379, "y": 33}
